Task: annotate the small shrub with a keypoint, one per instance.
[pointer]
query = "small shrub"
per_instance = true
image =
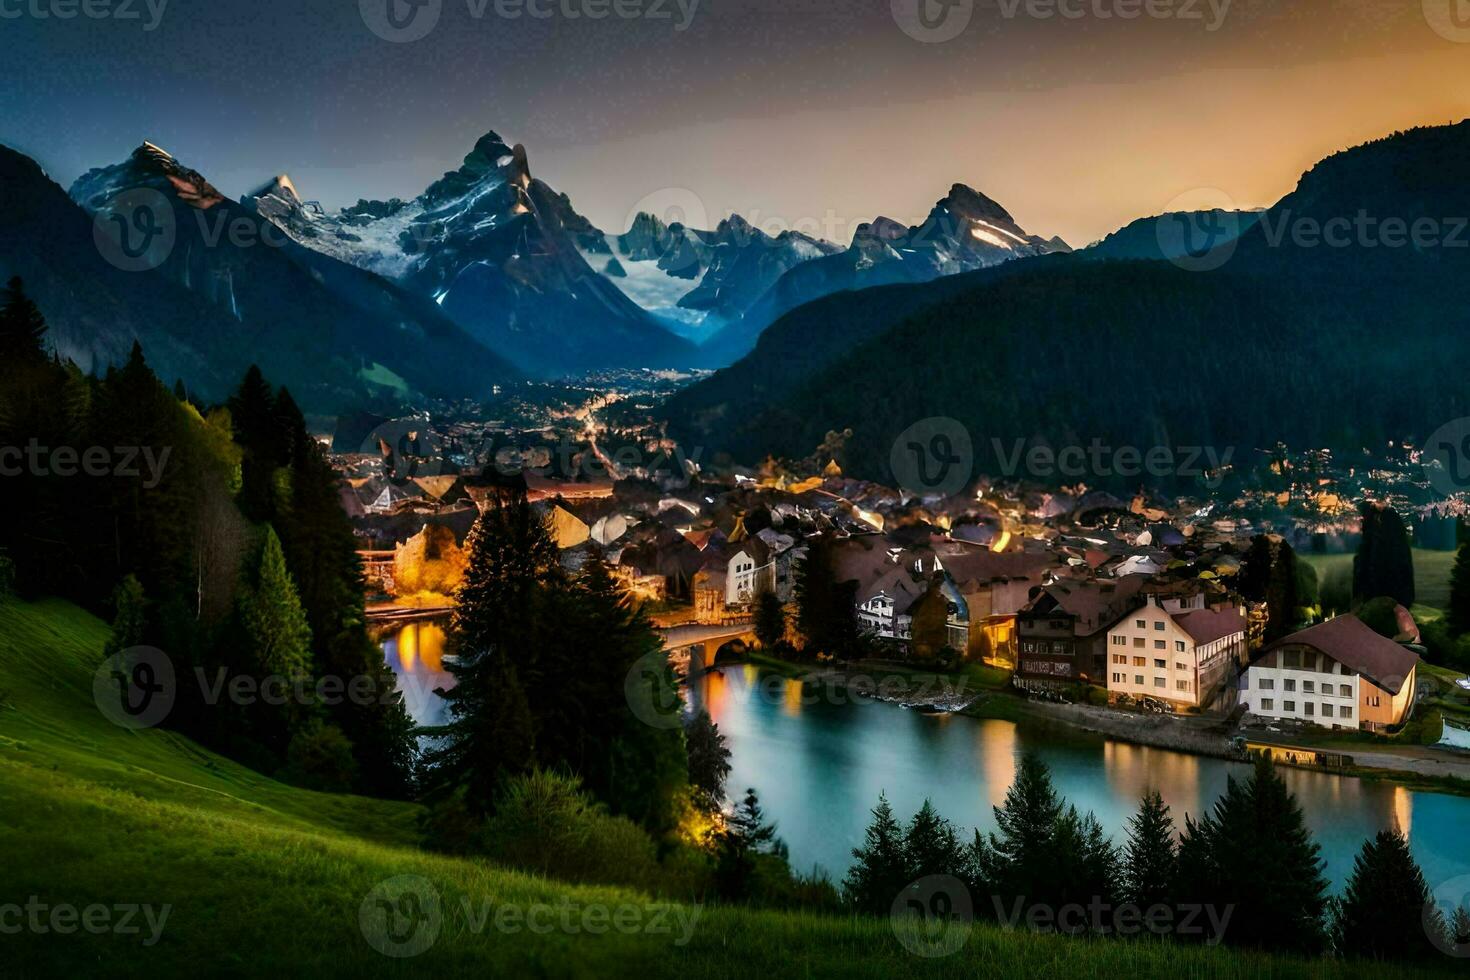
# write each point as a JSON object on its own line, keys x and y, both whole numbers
{"x": 320, "y": 757}
{"x": 546, "y": 823}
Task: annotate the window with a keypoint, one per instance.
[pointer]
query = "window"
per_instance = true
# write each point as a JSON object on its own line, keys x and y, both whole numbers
{"x": 1161, "y": 664}
{"x": 1267, "y": 684}
{"x": 1119, "y": 640}
{"x": 1178, "y": 666}
{"x": 1160, "y": 682}
{"x": 1181, "y": 685}
{"x": 1345, "y": 713}
{"x": 1161, "y": 645}
{"x": 1178, "y": 646}
{"x": 1326, "y": 710}
{"x": 1291, "y": 659}
{"x": 1138, "y": 679}
{"x": 1140, "y": 662}
{"x": 1118, "y": 658}
{"x": 1308, "y": 687}
{"x": 1159, "y": 626}
{"x": 1138, "y": 641}
{"x": 1345, "y": 690}
{"x": 1311, "y": 708}
{"x": 1288, "y": 685}
{"x": 1288, "y": 705}
{"x": 1117, "y": 678}
{"x": 1267, "y": 704}
{"x": 1140, "y": 624}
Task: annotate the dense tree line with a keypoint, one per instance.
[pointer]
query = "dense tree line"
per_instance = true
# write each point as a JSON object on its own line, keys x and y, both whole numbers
{"x": 541, "y": 659}
{"x": 212, "y": 533}
{"x": 1247, "y": 873}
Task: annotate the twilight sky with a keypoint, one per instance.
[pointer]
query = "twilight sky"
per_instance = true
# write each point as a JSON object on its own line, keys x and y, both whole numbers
{"x": 818, "y": 115}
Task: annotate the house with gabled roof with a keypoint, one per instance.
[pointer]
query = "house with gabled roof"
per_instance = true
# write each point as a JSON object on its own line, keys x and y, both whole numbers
{"x": 1337, "y": 674}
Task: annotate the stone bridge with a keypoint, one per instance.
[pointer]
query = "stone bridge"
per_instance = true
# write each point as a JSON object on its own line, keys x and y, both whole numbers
{"x": 695, "y": 644}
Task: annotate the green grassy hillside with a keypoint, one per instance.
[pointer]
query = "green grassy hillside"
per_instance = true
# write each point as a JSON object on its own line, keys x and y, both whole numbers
{"x": 265, "y": 879}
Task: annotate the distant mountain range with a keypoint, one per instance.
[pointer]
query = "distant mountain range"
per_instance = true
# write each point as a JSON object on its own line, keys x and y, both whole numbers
{"x": 1321, "y": 322}
{"x": 211, "y": 298}
{"x": 487, "y": 275}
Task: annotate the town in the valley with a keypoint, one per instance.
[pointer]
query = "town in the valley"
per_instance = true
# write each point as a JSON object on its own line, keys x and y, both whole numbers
{"x": 1210, "y": 615}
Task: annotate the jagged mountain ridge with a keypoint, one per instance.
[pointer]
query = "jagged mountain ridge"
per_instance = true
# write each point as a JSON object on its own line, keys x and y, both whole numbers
{"x": 964, "y": 231}
{"x": 208, "y": 309}
{"x": 502, "y": 254}
{"x": 1061, "y": 350}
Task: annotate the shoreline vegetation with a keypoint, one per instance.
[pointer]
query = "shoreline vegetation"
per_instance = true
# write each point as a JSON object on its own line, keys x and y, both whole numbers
{"x": 150, "y": 816}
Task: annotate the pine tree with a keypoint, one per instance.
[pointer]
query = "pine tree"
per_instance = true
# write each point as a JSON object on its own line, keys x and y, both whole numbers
{"x": 1253, "y": 851}
{"x": 1021, "y": 857}
{"x": 1085, "y": 863}
{"x": 129, "y": 619}
{"x": 880, "y": 871}
{"x": 1381, "y": 913}
{"x": 274, "y": 624}
{"x": 1151, "y": 856}
{"x": 770, "y": 620}
{"x": 1458, "y": 615}
{"x": 709, "y": 760}
{"x": 746, "y": 836}
{"x": 930, "y": 845}
{"x": 1384, "y": 564}
{"x": 22, "y": 327}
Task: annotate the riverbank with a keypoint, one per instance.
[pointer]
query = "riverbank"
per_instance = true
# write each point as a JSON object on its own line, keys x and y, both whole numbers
{"x": 982, "y": 692}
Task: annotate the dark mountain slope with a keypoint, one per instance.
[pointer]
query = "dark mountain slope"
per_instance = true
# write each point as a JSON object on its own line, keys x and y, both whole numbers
{"x": 1340, "y": 347}
{"x": 338, "y": 336}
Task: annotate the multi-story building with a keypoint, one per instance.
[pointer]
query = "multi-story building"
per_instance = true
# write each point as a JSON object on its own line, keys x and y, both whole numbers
{"x": 1175, "y": 653}
{"x": 1339, "y": 674}
{"x": 1062, "y": 635}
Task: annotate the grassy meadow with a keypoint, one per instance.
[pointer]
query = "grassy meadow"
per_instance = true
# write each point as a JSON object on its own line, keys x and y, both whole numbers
{"x": 261, "y": 878}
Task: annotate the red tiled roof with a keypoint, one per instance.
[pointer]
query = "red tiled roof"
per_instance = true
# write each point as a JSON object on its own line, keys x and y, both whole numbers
{"x": 1208, "y": 625}
{"x": 1349, "y": 641}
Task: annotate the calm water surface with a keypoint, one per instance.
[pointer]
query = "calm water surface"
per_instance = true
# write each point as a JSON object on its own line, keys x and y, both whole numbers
{"x": 819, "y": 767}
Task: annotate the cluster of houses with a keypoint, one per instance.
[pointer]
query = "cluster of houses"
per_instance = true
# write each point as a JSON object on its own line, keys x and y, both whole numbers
{"x": 1131, "y": 597}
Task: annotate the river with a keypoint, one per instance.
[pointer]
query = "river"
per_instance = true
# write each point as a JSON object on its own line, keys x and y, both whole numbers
{"x": 819, "y": 766}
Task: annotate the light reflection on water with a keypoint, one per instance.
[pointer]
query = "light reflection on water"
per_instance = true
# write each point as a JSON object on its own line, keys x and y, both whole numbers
{"x": 819, "y": 768}
{"x": 415, "y": 652}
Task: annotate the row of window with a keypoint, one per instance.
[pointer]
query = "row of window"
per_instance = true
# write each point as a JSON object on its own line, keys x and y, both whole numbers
{"x": 1119, "y": 660}
{"x": 1308, "y": 687}
{"x": 1309, "y": 708}
{"x": 1138, "y": 681}
{"x": 1139, "y": 642}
